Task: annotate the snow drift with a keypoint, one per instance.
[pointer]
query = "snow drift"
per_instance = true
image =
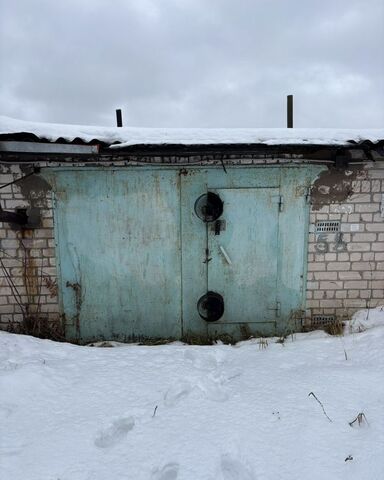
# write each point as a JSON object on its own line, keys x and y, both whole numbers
{"x": 257, "y": 410}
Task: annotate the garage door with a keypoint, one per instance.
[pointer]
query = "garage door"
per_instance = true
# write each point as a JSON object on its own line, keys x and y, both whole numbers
{"x": 119, "y": 253}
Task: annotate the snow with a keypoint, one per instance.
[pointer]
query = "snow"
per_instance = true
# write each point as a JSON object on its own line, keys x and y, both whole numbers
{"x": 178, "y": 412}
{"x": 364, "y": 319}
{"x": 127, "y": 136}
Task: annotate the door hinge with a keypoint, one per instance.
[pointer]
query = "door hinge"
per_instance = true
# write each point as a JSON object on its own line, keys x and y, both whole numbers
{"x": 308, "y": 195}
{"x": 276, "y": 309}
{"x": 281, "y": 203}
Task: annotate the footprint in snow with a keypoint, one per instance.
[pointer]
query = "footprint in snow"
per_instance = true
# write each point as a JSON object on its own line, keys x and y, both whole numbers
{"x": 233, "y": 469}
{"x": 200, "y": 360}
{"x": 213, "y": 389}
{"x": 9, "y": 366}
{"x": 214, "y": 385}
{"x": 176, "y": 393}
{"x": 168, "y": 472}
{"x": 115, "y": 433}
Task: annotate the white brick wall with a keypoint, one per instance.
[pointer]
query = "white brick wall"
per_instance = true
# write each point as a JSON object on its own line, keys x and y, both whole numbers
{"x": 349, "y": 276}
{"x": 28, "y": 258}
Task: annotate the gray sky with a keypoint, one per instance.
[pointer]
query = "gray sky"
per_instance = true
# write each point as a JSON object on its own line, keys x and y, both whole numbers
{"x": 193, "y": 63}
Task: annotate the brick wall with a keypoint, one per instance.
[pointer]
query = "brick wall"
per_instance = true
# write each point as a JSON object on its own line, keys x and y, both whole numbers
{"x": 346, "y": 269}
{"x": 28, "y": 258}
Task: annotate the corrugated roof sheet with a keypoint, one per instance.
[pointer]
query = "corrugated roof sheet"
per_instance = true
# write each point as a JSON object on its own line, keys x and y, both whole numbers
{"x": 128, "y": 136}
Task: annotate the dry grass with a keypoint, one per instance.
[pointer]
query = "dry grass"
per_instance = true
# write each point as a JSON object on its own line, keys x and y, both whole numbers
{"x": 263, "y": 343}
{"x": 334, "y": 328}
{"x": 39, "y": 326}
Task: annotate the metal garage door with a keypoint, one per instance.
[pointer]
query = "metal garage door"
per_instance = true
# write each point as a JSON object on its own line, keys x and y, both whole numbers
{"x": 119, "y": 253}
{"x": 136, "y": 259}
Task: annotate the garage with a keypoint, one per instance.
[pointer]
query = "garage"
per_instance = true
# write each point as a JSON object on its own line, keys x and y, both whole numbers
{"x": 166, "y": 252}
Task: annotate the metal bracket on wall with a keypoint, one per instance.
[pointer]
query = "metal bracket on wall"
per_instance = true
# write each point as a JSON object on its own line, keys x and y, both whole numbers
{"x": 22, "y": 218}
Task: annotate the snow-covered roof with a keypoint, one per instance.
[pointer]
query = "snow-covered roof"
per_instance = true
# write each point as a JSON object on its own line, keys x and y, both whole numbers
{"x": 128, "y": 136}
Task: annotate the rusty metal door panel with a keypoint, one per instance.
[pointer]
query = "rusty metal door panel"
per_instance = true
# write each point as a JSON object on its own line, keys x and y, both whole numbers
{"x": 244, "y": 252}
{"x": 119, "y": 253}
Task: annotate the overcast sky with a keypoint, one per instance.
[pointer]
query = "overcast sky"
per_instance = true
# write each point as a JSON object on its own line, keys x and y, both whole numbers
{"x": 193, "y": 63}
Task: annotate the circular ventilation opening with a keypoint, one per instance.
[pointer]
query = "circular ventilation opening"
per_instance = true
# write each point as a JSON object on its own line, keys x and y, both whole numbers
{"x": 211, "y": 306}
{"x": 209, "y": 207}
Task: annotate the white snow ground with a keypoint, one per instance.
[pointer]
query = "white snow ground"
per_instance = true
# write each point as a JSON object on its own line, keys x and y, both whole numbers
{"x": 193, "y": 413}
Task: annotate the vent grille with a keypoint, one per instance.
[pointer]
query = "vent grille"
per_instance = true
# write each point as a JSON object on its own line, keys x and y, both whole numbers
{"x": 328, "y": 226}
{"x": 321, "y": 320}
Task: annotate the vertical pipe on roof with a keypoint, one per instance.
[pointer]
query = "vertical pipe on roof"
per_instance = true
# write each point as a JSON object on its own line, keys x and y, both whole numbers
{"x": 289, "y": 111}
{"x": 119, "y": 118}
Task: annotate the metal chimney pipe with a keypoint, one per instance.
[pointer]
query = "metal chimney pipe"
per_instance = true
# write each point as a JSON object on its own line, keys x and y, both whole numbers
{"x": 119, "y": 118}
{"x": 289, "y": 111}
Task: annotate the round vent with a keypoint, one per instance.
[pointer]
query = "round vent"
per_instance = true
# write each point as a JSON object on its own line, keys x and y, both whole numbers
{"x": 211, "y": 306}
{"x": 209, "y": 207}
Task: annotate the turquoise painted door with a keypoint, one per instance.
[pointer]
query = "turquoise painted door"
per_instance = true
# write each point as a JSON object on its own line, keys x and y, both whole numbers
{"x": 257, "y": 262}
{"x": 118, "y": 235}
{"x": 134, "y": 258}
{"x": 243, "y": 250}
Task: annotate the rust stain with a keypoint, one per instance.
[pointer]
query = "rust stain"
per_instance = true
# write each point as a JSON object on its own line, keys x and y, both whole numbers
{"x": 334, "y": 186}
{"x": 78, "y": 301}
{"x": 51, "y": 285}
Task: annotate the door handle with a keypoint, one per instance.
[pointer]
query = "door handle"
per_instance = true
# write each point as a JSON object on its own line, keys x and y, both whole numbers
{"x": 225, "y": 255}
